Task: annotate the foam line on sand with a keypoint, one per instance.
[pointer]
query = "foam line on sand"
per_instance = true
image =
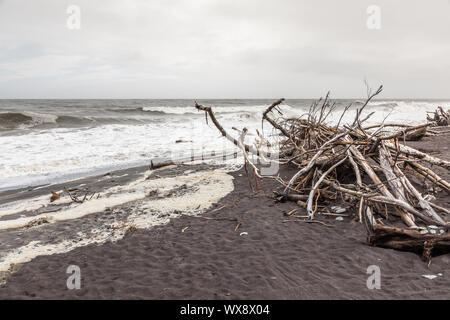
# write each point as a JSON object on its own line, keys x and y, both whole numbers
{"x": 191, "y": 194}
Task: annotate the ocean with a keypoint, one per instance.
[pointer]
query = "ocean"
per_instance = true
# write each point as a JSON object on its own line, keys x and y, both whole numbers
{"x": 52, "y": 141}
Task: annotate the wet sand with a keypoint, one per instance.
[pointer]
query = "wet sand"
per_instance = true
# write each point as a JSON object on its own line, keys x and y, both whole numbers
{"x": 208, "y": 257}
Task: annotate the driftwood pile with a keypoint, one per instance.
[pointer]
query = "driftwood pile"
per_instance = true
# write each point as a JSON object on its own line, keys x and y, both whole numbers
{"x": 440, "y": 117}
{"x": 365, "y": 167}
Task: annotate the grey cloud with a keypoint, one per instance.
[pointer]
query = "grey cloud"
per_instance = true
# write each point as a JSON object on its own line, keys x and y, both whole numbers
{"x": 223, "y": 49}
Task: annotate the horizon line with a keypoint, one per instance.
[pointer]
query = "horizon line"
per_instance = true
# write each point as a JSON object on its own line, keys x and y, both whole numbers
{"x": 194, "y": 99}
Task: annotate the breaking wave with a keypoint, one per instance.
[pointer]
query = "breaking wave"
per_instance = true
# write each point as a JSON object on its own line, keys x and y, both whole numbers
{"x": 24, "y": 120}
{"x": 217, "y": 109}
{"x": 31, "y": 120}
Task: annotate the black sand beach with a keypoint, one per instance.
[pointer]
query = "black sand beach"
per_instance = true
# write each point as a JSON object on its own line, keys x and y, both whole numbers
{"x": 208, "y": 257}
{"x": 189, "y": 152}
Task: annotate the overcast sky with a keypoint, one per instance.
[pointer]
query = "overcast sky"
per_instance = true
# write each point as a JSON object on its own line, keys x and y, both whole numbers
{"x": 223, "y": 49}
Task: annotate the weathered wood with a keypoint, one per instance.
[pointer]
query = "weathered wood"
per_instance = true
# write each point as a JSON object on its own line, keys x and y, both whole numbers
{"x": 355, "y": 169}
{"x": 401, "y": 184}
{"x": 406, "y": 206}
{"x": 409, "y": 240}
{"x": 317, "y": 185}
{"x": 247, "y": 148}
{"x": 272, "y": 122}
{"x": 440, "y": 117}
{"x": 407, "y": 218}
{"x": 313, "y": 160}
{"x": 429, "y": 174}
{"x": 416, "y": 134}
{"x": 418, "y": 154}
